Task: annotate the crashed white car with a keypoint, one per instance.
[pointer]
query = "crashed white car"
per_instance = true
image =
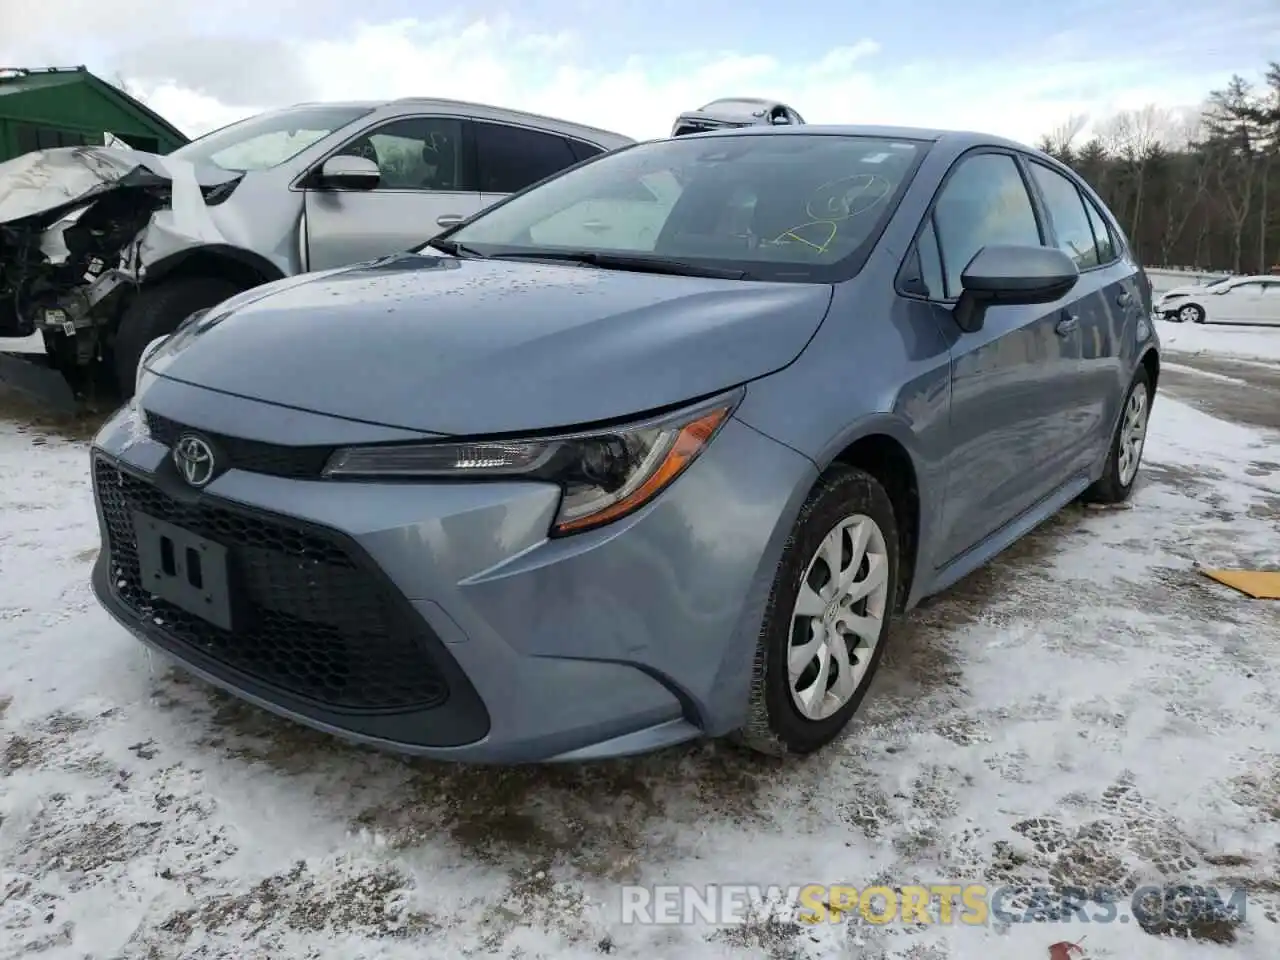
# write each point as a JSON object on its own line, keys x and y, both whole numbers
{"x": 731, "y": 112}
{"x": 104, "y": 250}
{"x": 1236, "y": 300}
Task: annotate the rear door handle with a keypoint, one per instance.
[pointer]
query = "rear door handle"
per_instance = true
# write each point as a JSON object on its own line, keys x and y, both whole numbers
{"x": 448, "y": 219}
{"x": 1068, "y": 323}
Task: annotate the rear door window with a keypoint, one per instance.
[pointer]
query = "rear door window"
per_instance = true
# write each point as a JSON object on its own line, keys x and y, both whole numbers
{"x": 1101, "y": 233}
{"x": 584, "y": 151}
{"x": 1071, "y": 224}
{"x": 512, "y": 158}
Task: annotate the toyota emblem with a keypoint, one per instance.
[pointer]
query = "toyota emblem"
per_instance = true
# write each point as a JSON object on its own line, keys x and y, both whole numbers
{"x": 194, "y": 459}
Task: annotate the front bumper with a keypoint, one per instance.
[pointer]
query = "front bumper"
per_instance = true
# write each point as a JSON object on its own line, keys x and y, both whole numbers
{"x": 438, "y": 619}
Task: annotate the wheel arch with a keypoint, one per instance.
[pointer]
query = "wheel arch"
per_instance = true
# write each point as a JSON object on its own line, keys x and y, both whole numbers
{"x": 1150, "y": 361}
{"x": 883, "y": 449}
{"x": 236, "y": 264}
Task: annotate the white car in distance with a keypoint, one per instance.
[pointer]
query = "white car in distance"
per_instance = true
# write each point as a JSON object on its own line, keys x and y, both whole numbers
{"x": 1242, "y": 300}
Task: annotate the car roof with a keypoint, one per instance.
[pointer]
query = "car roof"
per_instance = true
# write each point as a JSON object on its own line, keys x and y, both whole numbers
{"x": 467, "y": 105}
{"x": 957, "y": 139}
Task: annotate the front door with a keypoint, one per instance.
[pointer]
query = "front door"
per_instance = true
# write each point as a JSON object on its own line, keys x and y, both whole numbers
{"x": 1014, "y": 393}
{"x": 426, "y": 176}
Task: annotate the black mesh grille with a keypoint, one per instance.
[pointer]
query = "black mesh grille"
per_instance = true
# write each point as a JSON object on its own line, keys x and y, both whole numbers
{"x": 312, "y": 621}
{"x": 255, "y": 456}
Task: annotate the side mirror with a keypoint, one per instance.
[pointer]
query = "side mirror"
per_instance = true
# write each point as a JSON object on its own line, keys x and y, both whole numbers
{"x": 350, "y": 173}
{"x": 1007, "y": 275}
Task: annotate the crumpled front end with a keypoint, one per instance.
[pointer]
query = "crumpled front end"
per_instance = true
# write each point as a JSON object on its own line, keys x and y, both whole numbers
{"x": 695, "y": 121}
{"x": 78, "y": 225}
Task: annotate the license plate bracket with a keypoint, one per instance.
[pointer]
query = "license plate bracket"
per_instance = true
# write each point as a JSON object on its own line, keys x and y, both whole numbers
{"x": 187, "y": 570}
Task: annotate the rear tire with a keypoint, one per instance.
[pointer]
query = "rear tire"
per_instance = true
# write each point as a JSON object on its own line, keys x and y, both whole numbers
{"x": 156, "y": 312}
{"x": 1125, "y": 455}
{"x": 801, "y": 703}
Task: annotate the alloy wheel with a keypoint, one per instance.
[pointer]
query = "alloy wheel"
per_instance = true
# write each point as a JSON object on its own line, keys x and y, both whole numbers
{"x": 1133, "y": 433}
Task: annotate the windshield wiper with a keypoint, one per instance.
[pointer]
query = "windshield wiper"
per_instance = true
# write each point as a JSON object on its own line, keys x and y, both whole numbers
{"x": 616, "y": 261}
{"x": 453, "y": 247}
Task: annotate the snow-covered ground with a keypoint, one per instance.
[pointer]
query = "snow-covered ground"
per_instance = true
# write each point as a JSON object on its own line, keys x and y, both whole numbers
{"x": 1221, "y": 340}
{"x": 1089, "y": 710}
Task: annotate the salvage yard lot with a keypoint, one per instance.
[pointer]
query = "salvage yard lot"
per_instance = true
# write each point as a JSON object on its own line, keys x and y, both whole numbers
{"x": 1089, "y": 710}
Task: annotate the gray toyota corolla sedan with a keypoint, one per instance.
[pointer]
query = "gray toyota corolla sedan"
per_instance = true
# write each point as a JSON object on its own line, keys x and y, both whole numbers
{"x": 651, "y": 451}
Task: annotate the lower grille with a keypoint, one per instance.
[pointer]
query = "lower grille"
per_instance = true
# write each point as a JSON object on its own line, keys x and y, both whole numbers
{"x": 312, "y": 621}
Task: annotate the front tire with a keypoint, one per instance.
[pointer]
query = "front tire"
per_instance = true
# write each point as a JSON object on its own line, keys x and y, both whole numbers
{"x": 1191, "y": 313}
{"x": 828, "y": 616}
{"x": 1125, "y": 455}
{"x": 156, "y": 312}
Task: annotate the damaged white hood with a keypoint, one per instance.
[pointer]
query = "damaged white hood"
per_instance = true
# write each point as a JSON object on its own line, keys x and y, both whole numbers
{"x": 44, "y": 187}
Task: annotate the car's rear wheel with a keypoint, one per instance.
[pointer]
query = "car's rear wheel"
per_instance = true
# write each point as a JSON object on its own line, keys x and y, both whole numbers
{"x": 1191, "y": 313}
{"x": 828, "y": 616}
{"x": 1125, "y": 456}
{"x": 156, "y": 312}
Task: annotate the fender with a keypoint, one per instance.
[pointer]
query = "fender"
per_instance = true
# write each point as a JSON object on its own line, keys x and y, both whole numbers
{"x": 236, "y": 263}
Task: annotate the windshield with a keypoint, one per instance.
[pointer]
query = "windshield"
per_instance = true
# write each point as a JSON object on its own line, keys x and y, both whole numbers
{"x": 802, "y": 207}
{"x": 747, "y": 108}
{"x": 268, "y": 139}
{"x": 1219, "y": 282}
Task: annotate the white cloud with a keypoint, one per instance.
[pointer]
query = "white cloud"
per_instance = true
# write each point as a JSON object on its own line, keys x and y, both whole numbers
{"x": 201, "y": 83}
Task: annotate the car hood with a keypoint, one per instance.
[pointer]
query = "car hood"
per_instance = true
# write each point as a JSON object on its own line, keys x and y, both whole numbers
{"x": 1188, "y": 290}
{"x": 39, "y": 188}
{"x": 462, "y": 346}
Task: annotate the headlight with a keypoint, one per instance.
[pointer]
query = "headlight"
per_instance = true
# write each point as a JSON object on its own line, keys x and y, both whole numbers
{"x": 192, "y": 318}
{"x": 604, "y": 474}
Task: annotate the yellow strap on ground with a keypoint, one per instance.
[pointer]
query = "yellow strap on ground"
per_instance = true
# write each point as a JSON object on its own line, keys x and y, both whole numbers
{"x": 1259, "y": 584}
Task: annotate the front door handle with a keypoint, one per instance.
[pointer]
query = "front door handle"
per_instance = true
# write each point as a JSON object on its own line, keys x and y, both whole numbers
{"x": 449, "y": 220}
{"x": 1068, "y": 323}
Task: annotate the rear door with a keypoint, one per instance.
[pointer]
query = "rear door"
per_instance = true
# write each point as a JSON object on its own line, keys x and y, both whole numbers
{"x": 427, "y": 174}
{"x": 1269, "y": 314}
{"x": 1243, "y": 303}
{"x": 510, "y": 158}
{"x": 1104, "y": 300}
{"x": 1015, "y": 388}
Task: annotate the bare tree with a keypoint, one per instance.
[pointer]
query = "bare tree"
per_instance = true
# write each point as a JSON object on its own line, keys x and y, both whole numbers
{"x": 123, "y": 85}
{"x": 1183, "y": 198}
{"x": 1060, "y": 142}
{"x": 1136, "y": 137}
{"x": 1232, "y": 141}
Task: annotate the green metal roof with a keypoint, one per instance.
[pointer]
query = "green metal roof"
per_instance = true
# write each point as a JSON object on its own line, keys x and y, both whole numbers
{"x": 73, "y": 98}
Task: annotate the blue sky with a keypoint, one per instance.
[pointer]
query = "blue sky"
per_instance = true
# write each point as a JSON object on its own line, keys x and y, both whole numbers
{"x": 1016, "y": 69}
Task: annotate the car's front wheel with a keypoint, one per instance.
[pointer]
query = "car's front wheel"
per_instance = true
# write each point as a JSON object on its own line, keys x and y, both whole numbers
{"x": 828, "y": 616}
{"x": 1191, "y": 313}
